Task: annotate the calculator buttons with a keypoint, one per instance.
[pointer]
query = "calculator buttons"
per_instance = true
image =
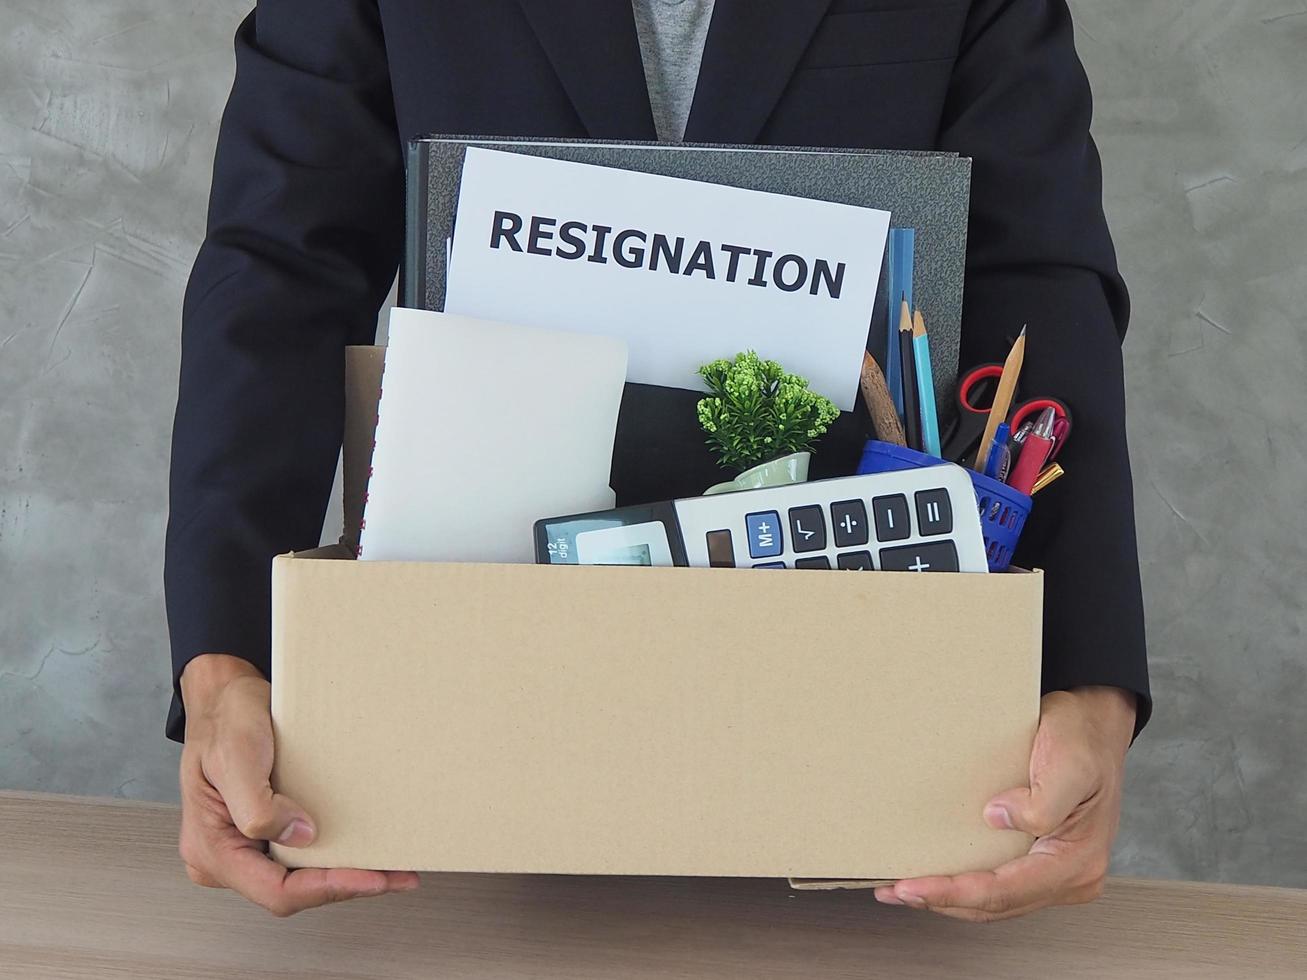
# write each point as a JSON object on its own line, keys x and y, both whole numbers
{"x": 893, "y": 522}
{"x": 934, "y": 512}
{"x": 933, "y": 556}
{"x": 771, "y": 564}
{"x": 849, "y": 518}
{"x": 765, "y": 539}
{"x": 859, "y": 561}
{"x": 721, "y": 550}
{"x": 817, "y": 561}
{"x": 807, "y": 529}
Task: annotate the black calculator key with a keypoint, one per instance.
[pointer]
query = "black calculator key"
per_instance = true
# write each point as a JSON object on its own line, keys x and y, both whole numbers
{"x": 771, "y": 564}
{"x": 807, "y": 529}
{"x": 893, "y": 522}
{"x": 849, "y": 518}
{"x": 933, "y": 556}
{"x": 934, "y": 512}
{"x": 855, "y": 560}
{"x": 819, "y": 561}
{"x": 721, "y": 549}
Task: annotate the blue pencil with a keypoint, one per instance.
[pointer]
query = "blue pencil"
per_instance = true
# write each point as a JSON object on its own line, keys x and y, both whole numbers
{"x": 925, "y": 386}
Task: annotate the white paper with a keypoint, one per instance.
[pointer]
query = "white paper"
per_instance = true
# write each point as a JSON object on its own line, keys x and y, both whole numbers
{"x": 672, "y": 321}
{"x": 483, "y": 429}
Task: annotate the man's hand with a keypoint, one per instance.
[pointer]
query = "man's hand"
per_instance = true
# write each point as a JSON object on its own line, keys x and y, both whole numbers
{"x": 1073, "y": 807}
{"x": 229, "y": 809}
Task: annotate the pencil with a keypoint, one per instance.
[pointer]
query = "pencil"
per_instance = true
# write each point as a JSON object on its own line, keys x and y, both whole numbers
{"x": 908, "y": 364}
{"x": 925, "y": 386}
{"x": 880, "y": 404}
{"x": 1007, "y": 386}
{"x": 1050, "y": 475}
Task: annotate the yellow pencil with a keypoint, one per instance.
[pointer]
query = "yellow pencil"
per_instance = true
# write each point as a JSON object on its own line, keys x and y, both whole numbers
{"x": 1007, "y": 387}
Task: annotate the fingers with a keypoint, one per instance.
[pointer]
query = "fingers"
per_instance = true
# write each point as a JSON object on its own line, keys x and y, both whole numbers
{"x": 1064, "y": 868}
{"x": 314, "y": 887}
{"x": 250, "y": 873}
{"x": 1015, "y": 886}
{"x": 999, "y": 910}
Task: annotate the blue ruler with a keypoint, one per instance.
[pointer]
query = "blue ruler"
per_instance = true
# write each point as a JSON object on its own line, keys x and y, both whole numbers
{"x": 902, "y": 247}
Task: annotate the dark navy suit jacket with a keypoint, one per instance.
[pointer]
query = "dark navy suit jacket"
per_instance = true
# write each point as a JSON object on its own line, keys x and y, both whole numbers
{"x": 306, "y": 229}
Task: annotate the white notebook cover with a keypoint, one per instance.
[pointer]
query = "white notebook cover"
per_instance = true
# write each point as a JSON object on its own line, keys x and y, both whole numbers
{"x": 483, "y": 429}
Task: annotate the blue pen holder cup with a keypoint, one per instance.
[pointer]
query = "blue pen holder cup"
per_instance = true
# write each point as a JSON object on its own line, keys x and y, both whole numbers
{"x": 1003, "y": 511}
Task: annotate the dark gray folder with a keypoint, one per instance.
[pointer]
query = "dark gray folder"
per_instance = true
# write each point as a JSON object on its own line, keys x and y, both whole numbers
{"x": 926, "y": 191}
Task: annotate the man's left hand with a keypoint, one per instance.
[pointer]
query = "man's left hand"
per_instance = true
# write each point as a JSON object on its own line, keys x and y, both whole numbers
{"x": 1073, "y": 808}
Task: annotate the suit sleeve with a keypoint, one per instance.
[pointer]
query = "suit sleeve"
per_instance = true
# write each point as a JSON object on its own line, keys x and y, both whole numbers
{"x": 304, "y": 237}
{"x": 1040, "y": 254}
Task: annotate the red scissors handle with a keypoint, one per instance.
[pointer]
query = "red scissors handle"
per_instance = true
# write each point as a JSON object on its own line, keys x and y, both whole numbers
{"x": 968, "y": 427}
{"x": 986, "y": 372}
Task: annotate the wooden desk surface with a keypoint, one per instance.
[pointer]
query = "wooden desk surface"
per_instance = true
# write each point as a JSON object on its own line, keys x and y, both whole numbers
{"x": 92, "y": 889}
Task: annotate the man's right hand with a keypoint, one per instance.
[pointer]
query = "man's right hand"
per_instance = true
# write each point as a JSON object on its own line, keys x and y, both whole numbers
{"x": 229, "y": 810}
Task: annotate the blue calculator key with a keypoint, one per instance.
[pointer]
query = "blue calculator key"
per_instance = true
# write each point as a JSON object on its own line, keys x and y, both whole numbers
{"x": 771, "y": 564}
{"x": 765, "y": 539}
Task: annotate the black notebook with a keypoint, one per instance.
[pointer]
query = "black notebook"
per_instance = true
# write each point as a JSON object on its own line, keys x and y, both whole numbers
{"x": 660, "y": 453}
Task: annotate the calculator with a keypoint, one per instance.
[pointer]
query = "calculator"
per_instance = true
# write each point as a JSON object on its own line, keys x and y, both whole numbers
{"x": 918, "y": 520}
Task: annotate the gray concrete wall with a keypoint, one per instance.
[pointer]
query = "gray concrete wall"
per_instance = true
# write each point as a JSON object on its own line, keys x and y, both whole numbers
{"x": 1203, "y": 127}
{"x": 108, "y": 115}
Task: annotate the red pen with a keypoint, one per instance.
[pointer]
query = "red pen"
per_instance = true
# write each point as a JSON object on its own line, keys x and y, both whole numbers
{"x": 1034, "y": 453}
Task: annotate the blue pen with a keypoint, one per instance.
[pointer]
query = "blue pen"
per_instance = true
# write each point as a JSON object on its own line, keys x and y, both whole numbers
{"x": 1000, "y": 455}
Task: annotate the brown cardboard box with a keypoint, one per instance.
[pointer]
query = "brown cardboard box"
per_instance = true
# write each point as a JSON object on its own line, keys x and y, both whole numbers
{"x": 646, "y": 721}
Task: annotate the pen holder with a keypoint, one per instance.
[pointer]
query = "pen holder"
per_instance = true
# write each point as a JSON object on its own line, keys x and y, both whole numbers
{"x": 1003, "y": 511}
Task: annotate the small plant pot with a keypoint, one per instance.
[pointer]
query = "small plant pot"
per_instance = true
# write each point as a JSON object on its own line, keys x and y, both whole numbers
{"x": 774, "y": 473}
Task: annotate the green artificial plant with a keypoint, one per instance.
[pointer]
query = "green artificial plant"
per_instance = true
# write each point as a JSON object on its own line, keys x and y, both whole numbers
{"x": 756, "y": 412}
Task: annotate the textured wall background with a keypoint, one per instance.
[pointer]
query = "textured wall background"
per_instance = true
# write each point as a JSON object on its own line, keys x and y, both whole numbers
{"x": 108, "y": 115}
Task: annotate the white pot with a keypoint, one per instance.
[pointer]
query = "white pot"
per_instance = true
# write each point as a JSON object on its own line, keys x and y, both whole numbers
{"x": 774, "y": 473}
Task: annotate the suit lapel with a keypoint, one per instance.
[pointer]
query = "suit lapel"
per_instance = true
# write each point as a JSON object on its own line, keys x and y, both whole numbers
{"x": 753, "y": 48}
{"x": 595, "y": 52}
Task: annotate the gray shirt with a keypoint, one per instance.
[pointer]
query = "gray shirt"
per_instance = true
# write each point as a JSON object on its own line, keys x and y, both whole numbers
{"x": 672, "y": 35}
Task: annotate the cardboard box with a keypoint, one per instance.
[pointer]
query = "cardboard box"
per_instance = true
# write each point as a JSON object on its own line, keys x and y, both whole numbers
{"x": 646, "y": 721}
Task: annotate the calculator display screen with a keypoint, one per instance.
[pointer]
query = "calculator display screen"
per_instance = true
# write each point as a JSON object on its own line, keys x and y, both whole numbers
{"x": 562, "y": 537}
{"x": 643, "y": 535}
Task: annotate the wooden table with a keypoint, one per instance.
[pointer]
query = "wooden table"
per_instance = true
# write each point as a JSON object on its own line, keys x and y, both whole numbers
{"x": 92, "y": 889}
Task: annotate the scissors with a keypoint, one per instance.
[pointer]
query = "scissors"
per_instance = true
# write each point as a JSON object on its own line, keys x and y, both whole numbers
{"x": 975, "y": 396}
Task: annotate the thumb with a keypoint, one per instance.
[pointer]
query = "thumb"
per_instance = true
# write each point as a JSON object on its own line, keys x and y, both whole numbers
{"x": 1052, "y": 797}
{"x": 261, "y": 814}
{"x": 239, "y": 766}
